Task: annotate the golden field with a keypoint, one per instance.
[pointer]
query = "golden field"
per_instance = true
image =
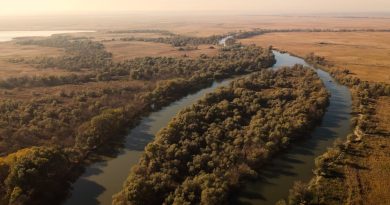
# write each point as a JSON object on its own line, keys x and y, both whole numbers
{"x": 193, "y": 23}
{"x": 366, "y": 54}
{"x": 121, "y": 50}
{"x": 10, "y": 50}
{"x": 368, "y": 182}
{"x": 376, "y": 178}
{"x": 125, "y": 50}
{"x": 383, "y": 114}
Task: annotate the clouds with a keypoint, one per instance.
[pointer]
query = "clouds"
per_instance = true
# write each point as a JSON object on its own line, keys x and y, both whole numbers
{"x": 269, "y": 6}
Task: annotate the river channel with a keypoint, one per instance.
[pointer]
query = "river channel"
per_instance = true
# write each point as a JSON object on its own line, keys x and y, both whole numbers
{"x": 103, "y": 179}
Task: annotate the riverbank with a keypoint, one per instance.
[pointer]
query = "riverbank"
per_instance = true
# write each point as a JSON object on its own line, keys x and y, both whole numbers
{"x": 350, "y": 172}
{"x": 355, "y": 171}
{"x": 89, "y": 118}
{"x": 279, "y": 175}
{"x": 209, "y": 147}
{"x": 101, "y": 189}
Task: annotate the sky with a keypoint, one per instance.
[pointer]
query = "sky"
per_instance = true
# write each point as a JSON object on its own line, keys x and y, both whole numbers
{"x": 44, "y": 7}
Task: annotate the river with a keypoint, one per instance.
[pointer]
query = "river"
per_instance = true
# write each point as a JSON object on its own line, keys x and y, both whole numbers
{"x": 9, "y": 35}
{"x": 103, "y": 179}
{"x": 223, "y": 41}
{"x": 297, "y": 163}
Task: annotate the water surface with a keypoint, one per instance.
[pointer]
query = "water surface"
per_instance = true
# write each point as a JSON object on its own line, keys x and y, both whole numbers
{"x": 223, "y": 41}
{"x": 103, "y": 179}
{"x": 297, "y": 163}
{"x": 9, "y": 35}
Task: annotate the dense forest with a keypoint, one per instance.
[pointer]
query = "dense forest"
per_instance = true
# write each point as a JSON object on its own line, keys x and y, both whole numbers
{"x": 40, "y": 118}
{"x": 81, "y": 53}
{"x": 156, "y": 31}
{"x": 93, "y": 109}
{"x": 236, "y": 59}
{"x": 32, "y": 175}
{"x": 179, "y": 40}
{"x": 208, "y": 148}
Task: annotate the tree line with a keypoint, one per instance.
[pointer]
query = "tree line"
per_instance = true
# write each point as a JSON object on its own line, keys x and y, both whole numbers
{"x": 157, "y": 31}
{"x": 235, "y": 59}
{"x": 179, "y": 40}
{"x": 80, "y": 54}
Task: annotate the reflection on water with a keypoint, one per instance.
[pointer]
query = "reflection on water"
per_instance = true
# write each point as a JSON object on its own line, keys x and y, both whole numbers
{"x": 223, "y": 41}
{"x": 297, "y": 163}
{"x": 103, "y": 179}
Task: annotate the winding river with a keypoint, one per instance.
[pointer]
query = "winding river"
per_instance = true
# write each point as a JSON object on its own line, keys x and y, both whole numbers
{"x": 297, "y": 163}
{"x": 103, "y": 179}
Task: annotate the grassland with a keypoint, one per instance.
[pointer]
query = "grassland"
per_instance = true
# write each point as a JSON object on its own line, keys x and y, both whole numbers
{"x": 368, "y": 180}
{"x": 11, "y": 50}
{"x": 121, "y": 50}
{"x": 366, "y": 54}
{"x": 135, "y": 49}
{"x": 383, "y": 114}
{"x": 192, "y": 24}
{"x": 365, "y": 166}
{"x": 375, "y": 179}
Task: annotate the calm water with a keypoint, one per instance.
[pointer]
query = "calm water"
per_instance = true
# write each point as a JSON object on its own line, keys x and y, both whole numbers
{"x": 9, "y": 35}
{"x": 223, "y": 41}
{"x": 103, "y": 179}
{"x": 297, "y": 164}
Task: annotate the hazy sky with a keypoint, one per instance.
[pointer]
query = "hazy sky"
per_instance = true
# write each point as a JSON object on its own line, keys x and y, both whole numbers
{"x": 28, "y": 7}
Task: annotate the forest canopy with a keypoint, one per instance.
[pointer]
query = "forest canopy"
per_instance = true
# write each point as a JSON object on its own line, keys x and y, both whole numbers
{"x": 208, "y": 148}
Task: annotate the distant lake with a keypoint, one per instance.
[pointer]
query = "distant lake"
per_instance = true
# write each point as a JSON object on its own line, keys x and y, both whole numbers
{"x": 9, "y": 35}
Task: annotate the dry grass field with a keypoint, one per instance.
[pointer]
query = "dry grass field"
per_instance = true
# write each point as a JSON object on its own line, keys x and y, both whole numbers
{"x": 108, "y": 35}
{"x": 9, "y": 50}
{"x": 376, "y": 179}
{"x": 370, "y": 184}
{"x": 123, "y": 50}
{"x": 383, "y": 114}
{"x": 192, "y": 24}
{"x": 366, "y": 54}
{"x": 224, "y": 24}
